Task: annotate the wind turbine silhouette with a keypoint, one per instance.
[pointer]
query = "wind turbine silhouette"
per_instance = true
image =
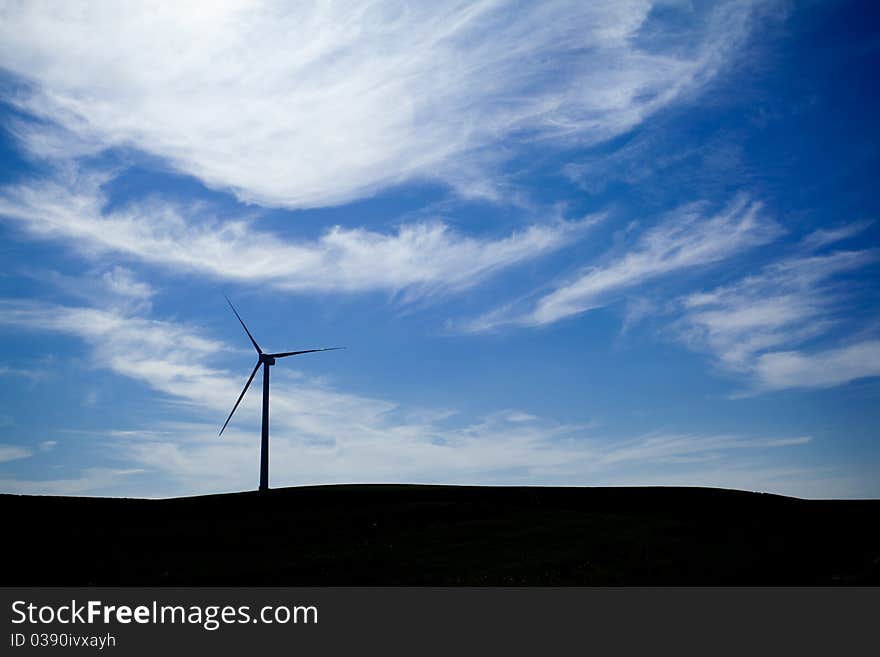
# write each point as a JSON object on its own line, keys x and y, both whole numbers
{"x": 266, "y": 360}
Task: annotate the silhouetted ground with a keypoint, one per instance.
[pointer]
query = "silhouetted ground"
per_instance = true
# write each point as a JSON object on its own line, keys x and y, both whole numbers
{"x": 442, "y": 535}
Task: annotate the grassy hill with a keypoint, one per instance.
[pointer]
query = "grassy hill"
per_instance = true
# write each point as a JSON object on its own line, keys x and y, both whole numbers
{"x": 442, "y": 535}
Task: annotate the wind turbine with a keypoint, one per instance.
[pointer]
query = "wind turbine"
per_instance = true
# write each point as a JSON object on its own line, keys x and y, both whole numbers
{"x": 266, "y": 360}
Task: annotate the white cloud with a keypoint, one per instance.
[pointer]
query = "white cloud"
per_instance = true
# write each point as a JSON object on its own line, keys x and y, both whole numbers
{"x": 324, "y": 435}
{"x": 785, "y": 303}
{"x": 686, "y": 238}
{"x": 419, "y": 258}
{"x": 636, "y": 310}
{"x": 108, "y": 286}
{"x": 32, "y": 374}
{"x": 819, "y": 369}
{"x": 825, "y": 236}
{"x": 90, "y": 481}
{"x": 665, "y": 448}
{"x": 752, "y": 324}
{"x": 122, "y": 283}
{"x": 300, "y": 104}
{"x": 158, "y": 352}
{"x": 13, "y": 452}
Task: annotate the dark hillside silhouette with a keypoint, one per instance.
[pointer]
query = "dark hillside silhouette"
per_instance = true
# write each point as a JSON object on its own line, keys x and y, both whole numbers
{"x": 442, "y": 535}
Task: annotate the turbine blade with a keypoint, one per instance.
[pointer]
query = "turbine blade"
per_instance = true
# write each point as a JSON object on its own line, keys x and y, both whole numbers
{"x": 256, "y": 346}
{"x": 284, "y": 354}
{"x": 246, "y": 386}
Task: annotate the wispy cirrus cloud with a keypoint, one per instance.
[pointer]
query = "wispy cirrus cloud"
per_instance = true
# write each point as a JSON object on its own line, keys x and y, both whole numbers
{"x": 304, "y": 105}
{"x": 29, "y": 374}
{"x": 13, "y": 452}
{"x": 132, "y": 346}
{"x": 818, "y": 369}
{"x": 686, "y": 238}
{"x": 106, "y": 285}
{"x": 88, "y": 481}
{"x": 418, "y": 258}
{"x": 752, "y": 325}
{"x": 831, "y": 235}
{"x": 785, "y": 304}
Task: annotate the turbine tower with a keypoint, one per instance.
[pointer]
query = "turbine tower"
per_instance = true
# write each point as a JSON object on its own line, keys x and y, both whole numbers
{"x": 266, "y": 360}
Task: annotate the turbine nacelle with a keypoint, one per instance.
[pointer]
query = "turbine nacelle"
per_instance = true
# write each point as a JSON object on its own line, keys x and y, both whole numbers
{"x": 267, "y": 359}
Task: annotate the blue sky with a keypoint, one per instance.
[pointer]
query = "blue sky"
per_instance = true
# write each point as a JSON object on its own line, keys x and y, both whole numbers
{"x": 564, "y": 243}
